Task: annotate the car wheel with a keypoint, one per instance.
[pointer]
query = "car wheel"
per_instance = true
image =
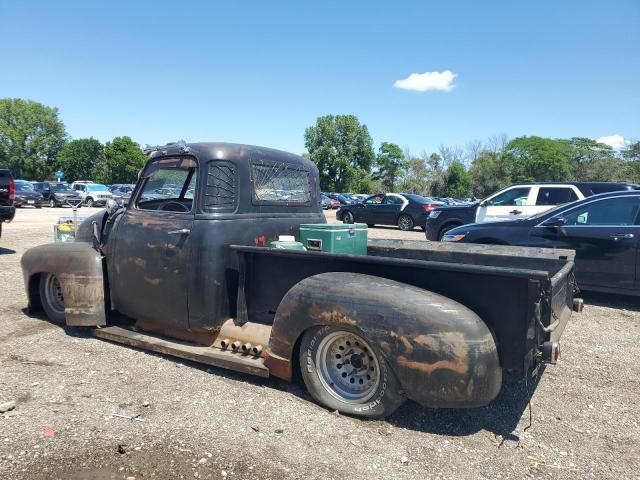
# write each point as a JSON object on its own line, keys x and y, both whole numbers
{"x": 347, "y": 217}
{"x": 51, "y": 298}
{"x": 89, "y": 202}
{"x": 405, "y": 222}
{"x": 343, "y": 371}
{"x": 444, "y": 231}
{"x": 52, "y": 203}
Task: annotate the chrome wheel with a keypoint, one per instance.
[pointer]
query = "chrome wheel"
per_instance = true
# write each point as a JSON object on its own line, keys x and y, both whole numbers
{"x": 348, "y": 367}
{"x": 53, "y": 294}
{"x": 52, "y": 203}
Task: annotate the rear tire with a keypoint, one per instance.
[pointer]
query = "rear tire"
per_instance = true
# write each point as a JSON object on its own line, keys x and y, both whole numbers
{"x": 52, "y": 203}
{"x": 369, "y": 390}
{"x": 89, "y": 202}
{"x": 347, "y": 217}
{"x": 405, "y": 223}
{"x": 51, "y": 298}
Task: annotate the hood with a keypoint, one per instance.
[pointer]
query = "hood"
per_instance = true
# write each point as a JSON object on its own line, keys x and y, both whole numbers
{"x": 66, "y": 194}
{"x": 28, "y": 194}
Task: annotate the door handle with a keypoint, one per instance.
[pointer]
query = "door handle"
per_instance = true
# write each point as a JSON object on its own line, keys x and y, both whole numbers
{"x": 515, "y": 212}
{"x": 622, "y": 235}
{"x": 182, "y": 231}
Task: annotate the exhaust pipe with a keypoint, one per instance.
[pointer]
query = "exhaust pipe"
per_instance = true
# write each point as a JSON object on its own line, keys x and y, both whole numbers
{"x": 256, "y": 350}
{"x": 235, "y": 346}
{"x": 224, "y": 343}
{"x": 246, "y": 348}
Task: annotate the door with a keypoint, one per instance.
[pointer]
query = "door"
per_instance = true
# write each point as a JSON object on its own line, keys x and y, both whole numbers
{"x": 370, "y": 210}
{"x": 509, "y": 204}
{"x": 390, "y": 209}
{"x": 152, "y": 258}
{"x": 549, "y": 196}
{"x": 604, "y": 233}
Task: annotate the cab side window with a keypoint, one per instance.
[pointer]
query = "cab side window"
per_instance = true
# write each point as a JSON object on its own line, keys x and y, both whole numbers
{"x": 612, "y": 211}
{"x": 514, "y": 197}
{"x": 169, "y": 185}
{"x": 392, "y": 200}
{"x": 555, "y": 196}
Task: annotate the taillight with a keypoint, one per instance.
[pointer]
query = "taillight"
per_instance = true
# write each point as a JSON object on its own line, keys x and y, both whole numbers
{"x": 427, "y": 207}
{"x": 12, "y": 189}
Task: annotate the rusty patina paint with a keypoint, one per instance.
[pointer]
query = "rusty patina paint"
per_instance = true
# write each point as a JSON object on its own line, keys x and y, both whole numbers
{"x": 78, "y": 268}
{"x": 442, "y": 352}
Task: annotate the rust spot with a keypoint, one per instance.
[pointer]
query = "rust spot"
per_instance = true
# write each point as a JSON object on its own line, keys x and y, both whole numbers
{"x": 455, "y": 347}
{"x": 331, "y": 317}
{"x": 404, "y": 340}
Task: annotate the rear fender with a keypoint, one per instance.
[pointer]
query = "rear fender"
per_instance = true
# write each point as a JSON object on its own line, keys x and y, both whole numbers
{"x": 78, "y": 268}
{"x": 443, "y": 354}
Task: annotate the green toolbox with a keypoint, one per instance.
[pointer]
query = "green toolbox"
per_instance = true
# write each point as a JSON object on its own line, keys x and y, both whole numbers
{"x": 335, "y": 238}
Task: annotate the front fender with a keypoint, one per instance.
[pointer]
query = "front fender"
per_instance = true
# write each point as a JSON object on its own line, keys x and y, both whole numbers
{"x": 78, "y": 268}
{"x": 443, "y": 354}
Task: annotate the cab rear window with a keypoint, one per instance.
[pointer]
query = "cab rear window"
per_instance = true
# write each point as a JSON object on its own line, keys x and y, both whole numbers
{"x": 280, "y": 183}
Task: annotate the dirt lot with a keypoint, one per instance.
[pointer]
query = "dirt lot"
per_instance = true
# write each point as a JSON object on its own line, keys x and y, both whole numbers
{"x": 196, "y": 422}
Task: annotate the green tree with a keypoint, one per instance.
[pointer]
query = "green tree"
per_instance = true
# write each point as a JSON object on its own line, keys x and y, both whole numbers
{"x": 538, "y": 159}
{"x": 458, "y": 181}
{"x": 342, "y": 149}
{"x": 489, "y": 173}
{"x": 389, "y": 162}
{"x": 123, "y": 161}
{"x": 81, "y": 159}
{"x": 632, "y": 164}
{"x": 31, "y": 135}
{"x": 415, "y": 178}
{"x": 592, "y": 161}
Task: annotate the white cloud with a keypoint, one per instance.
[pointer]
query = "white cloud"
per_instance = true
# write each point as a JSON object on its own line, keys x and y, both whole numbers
{"x": 421, "y": 82}
{"x": 614, "y": 141}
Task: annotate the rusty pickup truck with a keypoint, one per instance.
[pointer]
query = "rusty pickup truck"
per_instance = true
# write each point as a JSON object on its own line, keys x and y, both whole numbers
{"x": 186, "y": 263}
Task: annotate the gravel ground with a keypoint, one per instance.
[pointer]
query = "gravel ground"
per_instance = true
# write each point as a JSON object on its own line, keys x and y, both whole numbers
{"x": 194, "y": 422}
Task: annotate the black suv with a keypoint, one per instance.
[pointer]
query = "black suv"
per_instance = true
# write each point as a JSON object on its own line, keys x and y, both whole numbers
{"x": 56, "y": 194}
{"x": 516, "y": 202}
{"x": 7, "y": 196}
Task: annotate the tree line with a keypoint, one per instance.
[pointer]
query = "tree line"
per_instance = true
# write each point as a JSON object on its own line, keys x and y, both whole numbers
{"x": 343, "y": 150}
{"x": 34, "y": 144}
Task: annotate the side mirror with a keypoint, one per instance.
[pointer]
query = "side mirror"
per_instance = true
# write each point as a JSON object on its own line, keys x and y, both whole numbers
{"x": 555, "y": 222}
{"x": 112, "y": 206}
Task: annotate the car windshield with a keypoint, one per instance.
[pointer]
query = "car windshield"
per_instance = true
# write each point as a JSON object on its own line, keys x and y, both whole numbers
{"x": 97, "y": 188}
{"x": 61, "y": 187}
{"x": 24, "y": 187}
{"x": 549, "y": 212}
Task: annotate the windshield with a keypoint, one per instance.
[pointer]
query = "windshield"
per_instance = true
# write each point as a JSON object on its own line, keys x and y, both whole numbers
{"x": 61, "y": 187}
{"x": 548, "y": 212}
{"x": 97, "y": 188}
{"x": 24, "y": 187}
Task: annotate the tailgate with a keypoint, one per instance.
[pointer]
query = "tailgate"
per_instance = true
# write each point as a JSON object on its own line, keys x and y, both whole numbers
{"x": 563, "y": 288}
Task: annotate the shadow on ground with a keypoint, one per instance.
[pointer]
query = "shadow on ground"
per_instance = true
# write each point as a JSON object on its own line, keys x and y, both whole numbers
{"x": 6, "y": 251}
{"x": 611, "y": 300}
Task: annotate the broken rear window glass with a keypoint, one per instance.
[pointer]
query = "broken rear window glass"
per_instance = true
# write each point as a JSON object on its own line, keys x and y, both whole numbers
{"x": 279, "y": 182}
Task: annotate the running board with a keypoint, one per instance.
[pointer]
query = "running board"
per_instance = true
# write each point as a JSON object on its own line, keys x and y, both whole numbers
{"x": 207, "y": 355}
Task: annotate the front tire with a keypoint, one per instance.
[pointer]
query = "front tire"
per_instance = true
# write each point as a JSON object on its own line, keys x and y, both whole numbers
{"x": 444, "y": 231}
{"x": 347, "y": 217}
{"x": 51, "y": 298}
{"x": 343, "y": 371}
{"x": 405, "y": 223}
{"x": 52, "y": 203}
{"x": 89, "y": 202}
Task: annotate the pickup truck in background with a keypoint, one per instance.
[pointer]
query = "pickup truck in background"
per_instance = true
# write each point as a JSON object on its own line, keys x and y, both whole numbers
{"x": 516, "y": 202}
{"x": 193, "y": 276}
{"x": 7, "y": 197}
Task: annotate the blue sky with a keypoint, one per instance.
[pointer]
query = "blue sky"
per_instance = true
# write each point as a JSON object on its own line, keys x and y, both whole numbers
{"x": 261, "y": 72}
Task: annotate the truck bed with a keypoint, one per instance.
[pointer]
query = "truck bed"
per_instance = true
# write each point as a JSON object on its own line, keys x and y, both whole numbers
{"x": 524, "y": 295}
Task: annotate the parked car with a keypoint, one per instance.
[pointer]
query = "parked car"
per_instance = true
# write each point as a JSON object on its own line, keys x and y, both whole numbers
{"x": 56, "y": 194}
{"x": 517, "y": 201}
{"x": 342, "y": 199}
{"x": 325, "y": 202}
{"x": 26, "y": 195}
{"x": 365, "y": 332}
{"x": 93, "y": 194}
{"x": 602, "y": 229}
{"x": 7, "y": 196}
{"x": 405, "y": 210}
{"x": 121, "y": 192}
{"x": 81, "y": 182}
